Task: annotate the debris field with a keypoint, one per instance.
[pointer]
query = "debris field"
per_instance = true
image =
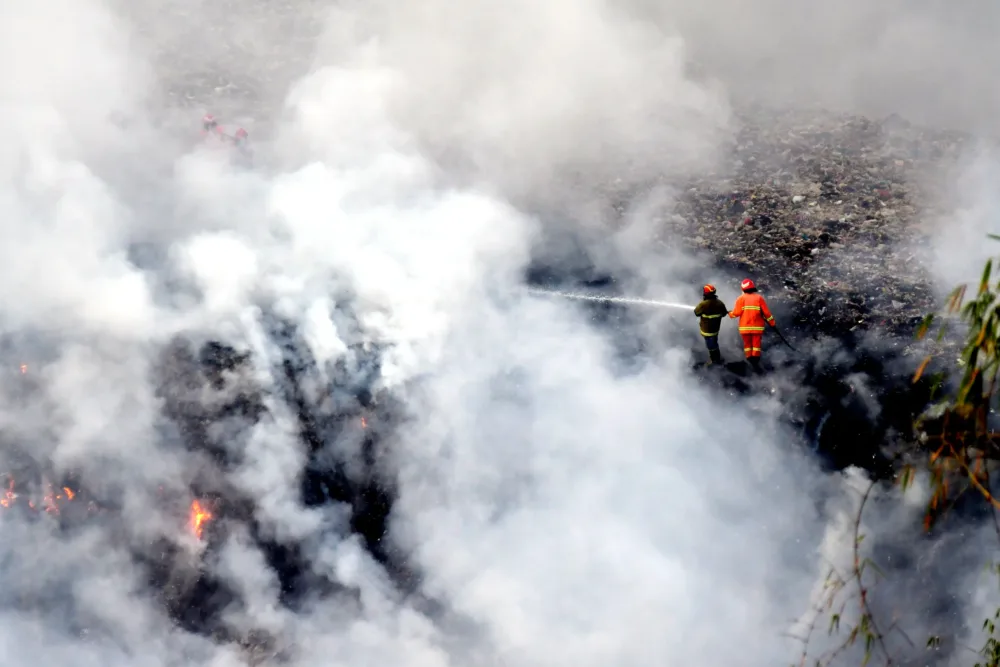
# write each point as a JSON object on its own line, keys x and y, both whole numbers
{"x": 828, "y": 213}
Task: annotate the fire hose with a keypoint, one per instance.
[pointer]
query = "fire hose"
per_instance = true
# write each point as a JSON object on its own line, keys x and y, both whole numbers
{"x": 783, "y": 339}
{"x": 611, "y": 299}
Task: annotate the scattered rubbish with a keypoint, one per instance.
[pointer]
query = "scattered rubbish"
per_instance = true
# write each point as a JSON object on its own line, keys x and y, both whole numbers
{"x": 827, "y": 199}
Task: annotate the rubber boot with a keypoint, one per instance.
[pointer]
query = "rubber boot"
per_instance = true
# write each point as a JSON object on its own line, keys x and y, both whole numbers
{"x": 754, "y": 364}
{"x": 715, "y": 357}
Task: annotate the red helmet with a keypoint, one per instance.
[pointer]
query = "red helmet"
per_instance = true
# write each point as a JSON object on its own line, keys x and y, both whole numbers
{"x": 241, "y": 134}
{"x": 708, "y": 290}
{"x": 747, "y": 284}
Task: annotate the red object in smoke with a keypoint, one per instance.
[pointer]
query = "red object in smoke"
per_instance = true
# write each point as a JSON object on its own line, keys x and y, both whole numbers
{"x": 708, "y": 289}
{"x": 747, "y": 284}
{"x": 210, "y": 126}
{"x": 215, "y": 135}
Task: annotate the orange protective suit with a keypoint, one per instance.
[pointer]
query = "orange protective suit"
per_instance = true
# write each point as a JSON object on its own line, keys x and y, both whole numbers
{"x": 753, "y": 312}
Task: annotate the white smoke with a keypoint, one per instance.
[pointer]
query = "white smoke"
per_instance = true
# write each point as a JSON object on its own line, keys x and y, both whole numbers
{"x": 555, "y": 509}
{"x": 959, "y": 232}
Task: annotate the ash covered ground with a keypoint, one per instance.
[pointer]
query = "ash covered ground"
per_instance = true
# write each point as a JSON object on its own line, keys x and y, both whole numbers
{"x": 306, "y": 412}
{"x": 828, "y": 208}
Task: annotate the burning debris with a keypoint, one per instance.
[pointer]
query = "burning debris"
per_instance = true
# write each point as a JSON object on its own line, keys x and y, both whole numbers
{"x": 45, "y": 497}
{"x": 9, "y": 496}
{"x": 200, "y": 516}
{"x": 48, "y": 498}
{"x": 211, "y": 395}
{"x": 212, "y": 403}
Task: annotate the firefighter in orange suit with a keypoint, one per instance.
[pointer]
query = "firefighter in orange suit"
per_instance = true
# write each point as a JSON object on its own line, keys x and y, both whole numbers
{"x": 753, "y": 312}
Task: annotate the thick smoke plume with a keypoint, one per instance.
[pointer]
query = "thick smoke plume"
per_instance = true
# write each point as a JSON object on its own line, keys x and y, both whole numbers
{"x": 552, "y": 505}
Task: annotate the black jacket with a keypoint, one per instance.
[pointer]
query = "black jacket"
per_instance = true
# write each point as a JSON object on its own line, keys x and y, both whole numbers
{"x": 711, "y": 311}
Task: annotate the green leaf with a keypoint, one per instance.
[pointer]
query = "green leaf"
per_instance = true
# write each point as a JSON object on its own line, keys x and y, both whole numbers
{"x": 925, "y": 325}
{"x": 906, "y": 478}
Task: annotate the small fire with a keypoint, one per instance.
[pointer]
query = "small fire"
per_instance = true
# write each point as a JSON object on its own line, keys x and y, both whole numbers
{"x": 199, "y": 517}
{"x": 51, "y": 500}
{"x": 364, "y": 423}
{"x": 24, "y": 368}
{"x": 9, "y": 497}
{"x": 54, "y": 497}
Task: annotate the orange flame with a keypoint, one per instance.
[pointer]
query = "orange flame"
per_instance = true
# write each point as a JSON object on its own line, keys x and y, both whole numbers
{"x": 24, "y": 368}
{"x": 9, "y": 497}
{"x": 51, "y": 500}
{"x": 54, "y": 496}
{"x": 199, "y": 517}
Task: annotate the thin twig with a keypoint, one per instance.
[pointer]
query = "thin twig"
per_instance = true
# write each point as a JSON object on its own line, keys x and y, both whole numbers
{"x": 993, "y": 508}
{"x": 865, "y": 606}
{"x": 972, "y": 478}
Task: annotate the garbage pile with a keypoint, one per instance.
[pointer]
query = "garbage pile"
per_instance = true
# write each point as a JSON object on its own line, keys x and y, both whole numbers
{"x": 824, "y": 211}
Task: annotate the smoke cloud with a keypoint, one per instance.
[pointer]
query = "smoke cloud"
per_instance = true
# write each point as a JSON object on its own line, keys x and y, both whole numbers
{"x": 552, "y": 505}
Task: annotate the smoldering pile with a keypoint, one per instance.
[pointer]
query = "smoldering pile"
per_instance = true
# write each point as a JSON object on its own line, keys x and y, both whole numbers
{"x": 830, "y": 214}
{"x": 211, "y": 400}
{"x": 827, "y": 213}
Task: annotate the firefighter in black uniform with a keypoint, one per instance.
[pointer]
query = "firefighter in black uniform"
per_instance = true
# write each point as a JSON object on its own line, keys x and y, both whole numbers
{"x": 711, "y": 311}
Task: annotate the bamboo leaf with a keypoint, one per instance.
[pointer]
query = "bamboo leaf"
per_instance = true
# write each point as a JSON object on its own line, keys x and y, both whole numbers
{"x": 925, "y": 325}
